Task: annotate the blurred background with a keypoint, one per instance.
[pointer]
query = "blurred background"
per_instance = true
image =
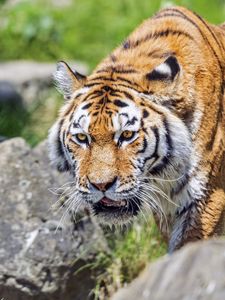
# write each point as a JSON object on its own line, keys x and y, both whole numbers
{"x": 34, "y": 35}
{"x": 46, "y": 31}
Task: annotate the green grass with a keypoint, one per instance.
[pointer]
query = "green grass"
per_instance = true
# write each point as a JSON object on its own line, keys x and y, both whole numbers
{"x": 131, "y": 250}
{"x": 86, "y": 30}
{"x": 41, "y": 117}
{"x": 31, "y": 123}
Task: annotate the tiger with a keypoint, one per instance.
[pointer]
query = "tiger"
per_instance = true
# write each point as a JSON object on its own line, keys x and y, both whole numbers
{"x": 145, "y": 131}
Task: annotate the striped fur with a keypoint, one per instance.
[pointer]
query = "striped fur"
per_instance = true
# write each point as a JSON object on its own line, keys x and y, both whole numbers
{"x": 164, "y": 86}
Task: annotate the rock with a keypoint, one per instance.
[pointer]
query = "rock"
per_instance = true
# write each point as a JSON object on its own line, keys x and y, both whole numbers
{"x": 9, "y": 96}
{"x": 36, "y": 261}
{"x": 196, "y": 272}
{"x": 2, "y": 138}
{"x": 29, "y": 79}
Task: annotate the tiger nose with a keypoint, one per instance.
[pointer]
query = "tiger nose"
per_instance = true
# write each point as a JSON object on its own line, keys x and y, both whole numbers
{"x": 104, "y": 186}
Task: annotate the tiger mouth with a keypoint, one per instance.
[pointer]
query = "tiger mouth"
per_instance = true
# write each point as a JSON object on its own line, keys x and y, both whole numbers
{"x": 120, "y": 207}
{"x": 106, "y": 202}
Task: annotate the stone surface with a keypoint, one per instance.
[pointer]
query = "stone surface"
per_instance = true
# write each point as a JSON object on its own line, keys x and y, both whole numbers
{"x": 2, "y": 138}
{"x": 196, "y": 272}
{"x": 9, "y": 95}
{"x": 36, "y": 261}
{"x": 29, "y": 79}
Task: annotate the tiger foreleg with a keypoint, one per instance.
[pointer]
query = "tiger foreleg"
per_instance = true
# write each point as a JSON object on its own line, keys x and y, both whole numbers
{"x": 199, "y": 220}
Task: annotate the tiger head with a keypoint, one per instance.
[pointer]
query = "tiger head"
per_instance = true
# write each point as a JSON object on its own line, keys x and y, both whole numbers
{"x": 116, "y": 138}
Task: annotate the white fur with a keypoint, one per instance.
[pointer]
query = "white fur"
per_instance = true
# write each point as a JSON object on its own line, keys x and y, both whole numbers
{"x": 62, "y": 80}
{"x": 197, "y": 117}
{"x": 184, "y": 154}
{"x": 52, "y": 145}
{"x": 119, "y": 120}
{"x": 164, "y": 68}
{"x": 81, "y": 91}
{"x": 84, "y": 121}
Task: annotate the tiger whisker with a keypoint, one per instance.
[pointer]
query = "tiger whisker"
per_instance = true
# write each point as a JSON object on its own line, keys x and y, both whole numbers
{"x": 162, "y": 179}
{"x": 64, "y": 202}
{"x": 63, "y": 216}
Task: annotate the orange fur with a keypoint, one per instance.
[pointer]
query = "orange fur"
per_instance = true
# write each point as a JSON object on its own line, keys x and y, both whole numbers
{"x": 195, "y": 96}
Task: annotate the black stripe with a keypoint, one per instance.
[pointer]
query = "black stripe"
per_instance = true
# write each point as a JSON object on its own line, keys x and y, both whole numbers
{"x": 76, "y": 125}
{"x": 186, "y": 207}
{"x": 124, "y": 114}
{"x": 114, "y": 94}
{"x": 71, "y": 141}
{"x": 78, "y": 95}
{"x": 112, "y": 69}
{"x": 91, "y": 96}
{"x": 150, "y": 105}
{"x": 155, "y": 75}
{"x": 161, "y": 16}
{"x": 87, "y": 105}
{"x": 127, "y": 71}
{"x": 62, "y": 166}
{"x": 68, "y": 111}
{"x": 128, "y": 95}
{"x": 159, "y": 34}
{"x": 78, "y": 121}
{"x": 156, "y": 133}
{"x": 102, "y": 78}
{"x": 145, "y": 145}
{"x": 128, "y": 81}
{"x": 120, "y": 103}
{"x": 180, "y": 185}
{"x": 71, "y": 116}
{"x": 127, "y": 87}
{"x": 155, "y": 153}
{"x": 113, "y": 80}
{"x": 168, "y": 137}
{"x": 212, "y": 33}
{"x": 59, "y": 148}
{"x": 166, "y": 159}
{"x": 220, "y": 110}
{"x": 92, "y": 84}
{"x": 131, "y": 122}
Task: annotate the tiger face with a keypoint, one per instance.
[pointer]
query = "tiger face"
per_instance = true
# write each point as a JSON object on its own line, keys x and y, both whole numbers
{"x": 116, "y": 139}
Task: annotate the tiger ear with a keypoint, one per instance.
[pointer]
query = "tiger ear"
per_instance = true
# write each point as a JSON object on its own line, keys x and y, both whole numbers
{"x": 166, "y": 70}
{"x": 66, "y": 80}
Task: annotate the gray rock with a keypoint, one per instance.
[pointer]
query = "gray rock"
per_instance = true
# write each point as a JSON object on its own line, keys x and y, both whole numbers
{"x": 196, "y": 272}
{"x": 2, "y": 138}
{"x": 36, "y": 262}
{"x": 30, "y": 79}
{"x": 9, "y": 95}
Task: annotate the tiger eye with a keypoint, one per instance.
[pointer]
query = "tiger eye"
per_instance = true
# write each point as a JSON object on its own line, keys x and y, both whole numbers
{"x": 127, "y": 134}
{"x": 81, "y": 138}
